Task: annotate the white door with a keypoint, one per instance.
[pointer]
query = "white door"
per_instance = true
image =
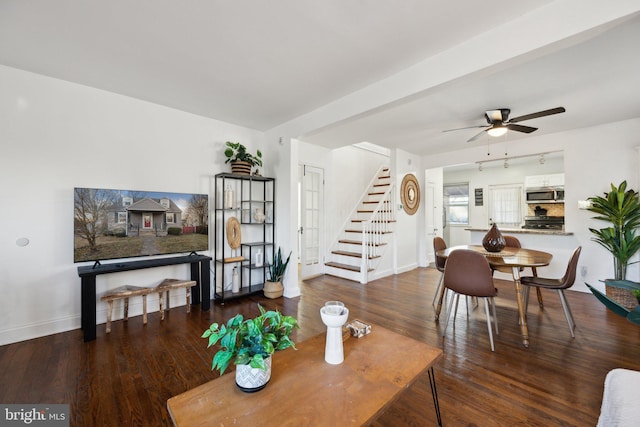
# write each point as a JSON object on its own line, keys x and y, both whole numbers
{"x": 311, "y": 221}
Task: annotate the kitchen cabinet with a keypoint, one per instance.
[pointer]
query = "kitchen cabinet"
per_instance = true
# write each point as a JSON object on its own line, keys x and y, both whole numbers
{"x": 550, "y": 180}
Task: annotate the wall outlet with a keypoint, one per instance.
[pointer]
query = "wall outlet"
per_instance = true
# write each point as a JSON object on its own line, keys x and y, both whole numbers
{"x": 584, "y": 204}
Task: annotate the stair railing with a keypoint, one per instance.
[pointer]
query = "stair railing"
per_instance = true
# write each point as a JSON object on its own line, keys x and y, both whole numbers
{"x": 374, "y": 228}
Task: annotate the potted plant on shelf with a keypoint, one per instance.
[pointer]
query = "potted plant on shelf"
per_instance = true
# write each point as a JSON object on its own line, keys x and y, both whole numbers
{"x": 273, "y": 286}
{"x": 621, "y": 208}
{"x": 241, "y": 160}
{"x": 251, "y": 342}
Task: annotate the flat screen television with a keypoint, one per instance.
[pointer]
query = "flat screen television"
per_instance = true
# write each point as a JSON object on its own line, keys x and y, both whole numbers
{"x": 111, "y": 224}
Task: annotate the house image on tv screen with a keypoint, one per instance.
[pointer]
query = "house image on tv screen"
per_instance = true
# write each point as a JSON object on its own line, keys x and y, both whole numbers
{"x": 112, "y": 224}
{"x": 145, "y": 215}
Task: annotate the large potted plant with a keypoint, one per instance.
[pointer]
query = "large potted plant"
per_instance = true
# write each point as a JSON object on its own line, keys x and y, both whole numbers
{"x": 620, "y": 207}
{"x": 273, "y": 286}
{"x": 251, "y": 342}
{"x": 241, "y": 160}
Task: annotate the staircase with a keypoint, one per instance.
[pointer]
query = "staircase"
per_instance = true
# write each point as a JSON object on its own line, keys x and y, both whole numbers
{"x": 366, "y": 233}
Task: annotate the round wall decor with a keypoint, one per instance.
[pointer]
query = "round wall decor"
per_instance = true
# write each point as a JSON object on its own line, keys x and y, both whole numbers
{"x": 234, "y": 235}
{"x": 410, "y": 194}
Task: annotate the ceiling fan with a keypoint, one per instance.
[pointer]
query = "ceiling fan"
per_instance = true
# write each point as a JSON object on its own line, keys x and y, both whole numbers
{"x": 499, "y": 122}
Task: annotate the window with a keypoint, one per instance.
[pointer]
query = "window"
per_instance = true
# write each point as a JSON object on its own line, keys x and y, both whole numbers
{"x": 505, "y": 204}
{"x": 171, "y": 218}
{"x": 121, "y": 217}
{"x": 456, "y": 203}
{"x": 127, "y": 201}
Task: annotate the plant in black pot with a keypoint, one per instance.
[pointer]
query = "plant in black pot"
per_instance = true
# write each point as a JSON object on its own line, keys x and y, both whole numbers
{"x": 241, "y": 160}
{"x": 620, "y": 207}
{"x": 252, "y": 343}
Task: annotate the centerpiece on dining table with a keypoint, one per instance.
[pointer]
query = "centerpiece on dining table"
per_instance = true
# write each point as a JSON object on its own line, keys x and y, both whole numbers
{"x": 493, "y": 241}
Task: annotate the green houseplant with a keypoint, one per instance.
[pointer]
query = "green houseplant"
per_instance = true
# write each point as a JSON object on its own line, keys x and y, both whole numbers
{"x": 273, "y": 287}
{"x": 620, "y": 207}
{"x": 251, "y": 342}
{"x": 241, "y": 160}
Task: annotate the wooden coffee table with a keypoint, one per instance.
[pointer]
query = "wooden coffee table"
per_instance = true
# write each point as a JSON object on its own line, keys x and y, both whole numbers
{"x": 305, "y": 390}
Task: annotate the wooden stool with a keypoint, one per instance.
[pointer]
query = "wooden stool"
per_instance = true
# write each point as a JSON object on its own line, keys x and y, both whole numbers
{"x": 166, "y": 285}
{"x": 126, "y": 292}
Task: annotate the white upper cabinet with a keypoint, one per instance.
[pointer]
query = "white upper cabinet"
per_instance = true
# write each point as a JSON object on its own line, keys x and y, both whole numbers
{"x": 551, "y": 180}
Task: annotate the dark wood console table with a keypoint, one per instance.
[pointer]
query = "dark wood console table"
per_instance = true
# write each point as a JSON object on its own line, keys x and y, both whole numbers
{"x": 200, "y": 293}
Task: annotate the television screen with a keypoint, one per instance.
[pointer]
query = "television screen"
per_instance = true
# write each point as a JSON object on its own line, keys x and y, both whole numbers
{"x": 112, "y": 224}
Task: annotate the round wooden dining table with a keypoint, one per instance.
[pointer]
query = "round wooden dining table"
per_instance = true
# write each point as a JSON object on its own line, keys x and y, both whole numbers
{"x": 513, "y": 258}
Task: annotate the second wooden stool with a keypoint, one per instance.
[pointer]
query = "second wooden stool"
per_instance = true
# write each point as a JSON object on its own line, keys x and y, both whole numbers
{"x": 166, "y": 285}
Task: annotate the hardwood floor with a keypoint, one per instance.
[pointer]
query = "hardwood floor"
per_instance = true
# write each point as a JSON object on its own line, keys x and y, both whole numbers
{"x": 126, "y": 377}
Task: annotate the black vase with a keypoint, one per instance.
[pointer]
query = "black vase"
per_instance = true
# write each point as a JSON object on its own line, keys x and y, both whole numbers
{"x": 493, "y": 241}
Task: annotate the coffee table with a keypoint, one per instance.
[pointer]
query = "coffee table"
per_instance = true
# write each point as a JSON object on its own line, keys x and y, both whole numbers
{"x": 305, "y": 390}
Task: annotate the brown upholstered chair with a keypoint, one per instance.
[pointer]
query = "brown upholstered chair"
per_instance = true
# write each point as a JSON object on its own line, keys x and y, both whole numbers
{"x": 468, "y": 273}
{"x": 558, "y": 285}
{"x": 438, "y": 245}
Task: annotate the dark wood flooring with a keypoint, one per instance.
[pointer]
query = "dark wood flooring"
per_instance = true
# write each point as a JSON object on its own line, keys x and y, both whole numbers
{"x": 126, "y": 377}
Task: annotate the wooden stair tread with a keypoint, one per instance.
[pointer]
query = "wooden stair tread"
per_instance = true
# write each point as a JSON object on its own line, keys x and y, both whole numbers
{"x": 353, "y": 254}
{"x": 370, "y": 211}
{"x": 374, "y": 202}
{"x": 344, "y": 266}
{"x": 353, "y": 230}
{"x": 358, "y": 242}
{"x": 363, "y": 220}
{"x": 381, "y": 185}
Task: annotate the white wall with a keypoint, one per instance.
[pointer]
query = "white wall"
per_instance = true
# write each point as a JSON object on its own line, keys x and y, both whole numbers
{"x": 593, "y": 158}
{"x": 56, "y": 136}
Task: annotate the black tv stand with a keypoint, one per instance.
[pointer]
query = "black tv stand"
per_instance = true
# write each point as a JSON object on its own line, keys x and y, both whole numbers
{"x": 200, "y": 293}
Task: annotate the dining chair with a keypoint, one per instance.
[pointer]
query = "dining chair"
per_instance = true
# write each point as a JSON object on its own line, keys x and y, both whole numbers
{"x": 558, "y": 285}
{"x": 439, "y": 245}
{"x": 468, "y": 273}
{"x": 513, "y": 242}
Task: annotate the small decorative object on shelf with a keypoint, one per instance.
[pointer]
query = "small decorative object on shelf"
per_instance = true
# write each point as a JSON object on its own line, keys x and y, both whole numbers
{"x": 228, "y": 198}
{"x": 493, "y": 241}
{"x": 235, "y": 280}
{"x": 252, "y": 343}
{"x": 259, "y": 258}
{"x": 259, "y": 216}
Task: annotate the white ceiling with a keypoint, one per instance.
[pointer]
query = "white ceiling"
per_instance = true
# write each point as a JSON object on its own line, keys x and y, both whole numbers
{"x": 264, "y": 63}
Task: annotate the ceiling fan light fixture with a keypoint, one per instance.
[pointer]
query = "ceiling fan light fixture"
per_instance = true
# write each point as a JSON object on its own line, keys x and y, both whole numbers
{"x": 497, "y": 131}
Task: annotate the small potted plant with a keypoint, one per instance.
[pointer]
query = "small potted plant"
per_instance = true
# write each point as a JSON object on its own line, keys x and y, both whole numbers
{"x": 251, "y": 342}
{"x": 241, "y": 160}
{"x": 621, "y": 208}
{"x": 273, "y": 287}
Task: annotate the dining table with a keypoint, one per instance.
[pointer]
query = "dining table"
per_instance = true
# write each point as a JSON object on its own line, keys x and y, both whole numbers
{"x": 509, "y": 258}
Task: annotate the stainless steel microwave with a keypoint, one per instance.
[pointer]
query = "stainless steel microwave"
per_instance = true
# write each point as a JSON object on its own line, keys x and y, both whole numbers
{"x": 545, "y": 195}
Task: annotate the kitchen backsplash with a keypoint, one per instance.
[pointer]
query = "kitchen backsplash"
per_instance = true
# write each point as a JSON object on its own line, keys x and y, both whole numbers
{"x": 553, "y": 209}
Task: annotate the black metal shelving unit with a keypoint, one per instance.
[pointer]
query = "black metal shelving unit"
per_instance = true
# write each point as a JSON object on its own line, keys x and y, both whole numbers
{"x": 251, "y": 195}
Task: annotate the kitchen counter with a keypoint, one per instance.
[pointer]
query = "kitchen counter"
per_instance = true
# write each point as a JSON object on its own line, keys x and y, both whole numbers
{"x": 525, "y": 231}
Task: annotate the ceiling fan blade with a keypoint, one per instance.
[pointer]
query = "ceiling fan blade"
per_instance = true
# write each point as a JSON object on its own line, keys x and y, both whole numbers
{"x": 476, "y": 136}
{"x": 468, "y": 127}
{"x": 521, "y": 128}
{"x": 549, "y": 112}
